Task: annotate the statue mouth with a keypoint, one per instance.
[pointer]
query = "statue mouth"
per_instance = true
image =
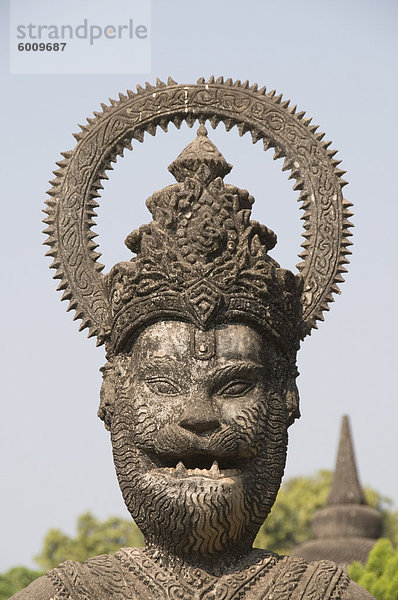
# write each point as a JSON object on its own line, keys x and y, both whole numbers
{"x": 199, "y": 465}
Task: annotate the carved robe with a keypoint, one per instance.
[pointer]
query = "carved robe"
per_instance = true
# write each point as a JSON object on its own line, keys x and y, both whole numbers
{"x": 132, "y": 575}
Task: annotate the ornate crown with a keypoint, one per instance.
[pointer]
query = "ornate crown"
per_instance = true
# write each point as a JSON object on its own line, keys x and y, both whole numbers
{"x": 203, "y": 260}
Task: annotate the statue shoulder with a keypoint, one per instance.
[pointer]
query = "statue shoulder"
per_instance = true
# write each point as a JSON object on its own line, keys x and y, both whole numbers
{"x": 40, "y": 589}
{"x": 320, "y": 579}
{"x": 103, "y": 576}
{"x": 356, "y": 592}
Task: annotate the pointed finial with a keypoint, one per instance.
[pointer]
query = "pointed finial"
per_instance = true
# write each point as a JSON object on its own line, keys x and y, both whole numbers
{"x": 202, "y": 130}
{"x": 346, "y": 488}
{"x": 200, "y": 159}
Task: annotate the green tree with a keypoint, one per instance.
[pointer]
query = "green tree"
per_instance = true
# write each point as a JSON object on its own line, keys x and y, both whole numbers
{"x": 380, "y": 574}
{"x": 289, "y": 523}
{"x": 93, "y": 537}
{"x": 16, "y": 579}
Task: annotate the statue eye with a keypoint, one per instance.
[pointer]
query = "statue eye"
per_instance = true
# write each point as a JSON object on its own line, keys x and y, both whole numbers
{"x": 162, "y": 386}
{"x": 236, "y": 388}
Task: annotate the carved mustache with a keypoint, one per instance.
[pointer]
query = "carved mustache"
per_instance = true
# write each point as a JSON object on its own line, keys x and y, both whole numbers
{"x": 173, "y": 441}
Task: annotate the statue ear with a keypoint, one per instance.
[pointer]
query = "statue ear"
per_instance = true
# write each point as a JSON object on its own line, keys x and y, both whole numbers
{"x": 292, "y": 402}
{"x": 107, "y": 395}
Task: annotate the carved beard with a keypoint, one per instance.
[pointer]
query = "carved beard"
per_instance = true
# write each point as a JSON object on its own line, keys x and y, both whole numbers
{"x": 193, "y": 517}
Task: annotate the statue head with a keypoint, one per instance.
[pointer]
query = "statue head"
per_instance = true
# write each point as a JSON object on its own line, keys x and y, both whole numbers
{"x": 202, "y": 329}
{"x": 198, "y": 422}
{"x": 200, "y": 386}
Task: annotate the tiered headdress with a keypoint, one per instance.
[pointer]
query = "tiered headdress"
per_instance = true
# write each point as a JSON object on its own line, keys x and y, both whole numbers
{"x": 203, "y": 260}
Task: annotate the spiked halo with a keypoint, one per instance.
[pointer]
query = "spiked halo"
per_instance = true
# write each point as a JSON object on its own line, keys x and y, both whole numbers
{"x": 72, "y": 202}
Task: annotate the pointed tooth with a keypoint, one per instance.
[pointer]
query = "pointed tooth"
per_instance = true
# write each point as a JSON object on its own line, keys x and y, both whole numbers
{"x": 180, "y": 468}
{"x": 278, "y": 153}
{"x": 215, "y": 468}
{"x": 256, "y": 136}
{"x": 298, "y": 185}
{"x": 177, "y": 121}
{"x": 171, "y": 81}
{"x": 228, "y": 123}
{"x": 214, "y": 121}
{"x": 243, "y": 128}
{"x": 190, "y": 120}
{"x": 287, "y": 164}
{"x": 138, "y": 135}
{"x": 151, "y": 129}
{"x": 267, "y": 144}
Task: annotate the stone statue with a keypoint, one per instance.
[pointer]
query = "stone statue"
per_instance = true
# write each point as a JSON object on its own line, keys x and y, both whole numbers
{"x": 346, "y": 529}
{"x": 201, "y": 330}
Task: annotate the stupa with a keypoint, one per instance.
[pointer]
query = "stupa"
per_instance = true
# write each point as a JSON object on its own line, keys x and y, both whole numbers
{"x": 347, "y": 528}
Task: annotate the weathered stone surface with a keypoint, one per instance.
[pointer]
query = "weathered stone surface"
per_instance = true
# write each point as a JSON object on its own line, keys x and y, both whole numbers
{"x": 201, "y": 329}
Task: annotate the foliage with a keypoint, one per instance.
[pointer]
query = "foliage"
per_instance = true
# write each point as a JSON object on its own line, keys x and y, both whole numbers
{"x": 93, "y": 537}
{"x": 16, "y": 579}
{"x": 289, "y": 523}
{"x": 380, "y": 575}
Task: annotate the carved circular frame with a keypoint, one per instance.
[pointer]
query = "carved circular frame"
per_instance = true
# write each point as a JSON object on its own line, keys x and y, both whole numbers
{"x": 72, "y": 202}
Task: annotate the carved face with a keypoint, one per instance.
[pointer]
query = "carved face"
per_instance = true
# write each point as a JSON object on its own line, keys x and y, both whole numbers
{"x": 199, "y": 434}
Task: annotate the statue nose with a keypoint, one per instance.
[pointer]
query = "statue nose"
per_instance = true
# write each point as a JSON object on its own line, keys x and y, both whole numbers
{"x": 200, "y": 423}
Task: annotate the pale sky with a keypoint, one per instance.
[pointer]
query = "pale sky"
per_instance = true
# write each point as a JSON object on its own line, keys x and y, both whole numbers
{"x": 336, "y": 59}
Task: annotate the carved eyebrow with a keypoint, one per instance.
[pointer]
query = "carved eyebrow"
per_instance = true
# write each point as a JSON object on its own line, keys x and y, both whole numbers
{"x": 169, "y": 365}
{"x": 238, "y": 369}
